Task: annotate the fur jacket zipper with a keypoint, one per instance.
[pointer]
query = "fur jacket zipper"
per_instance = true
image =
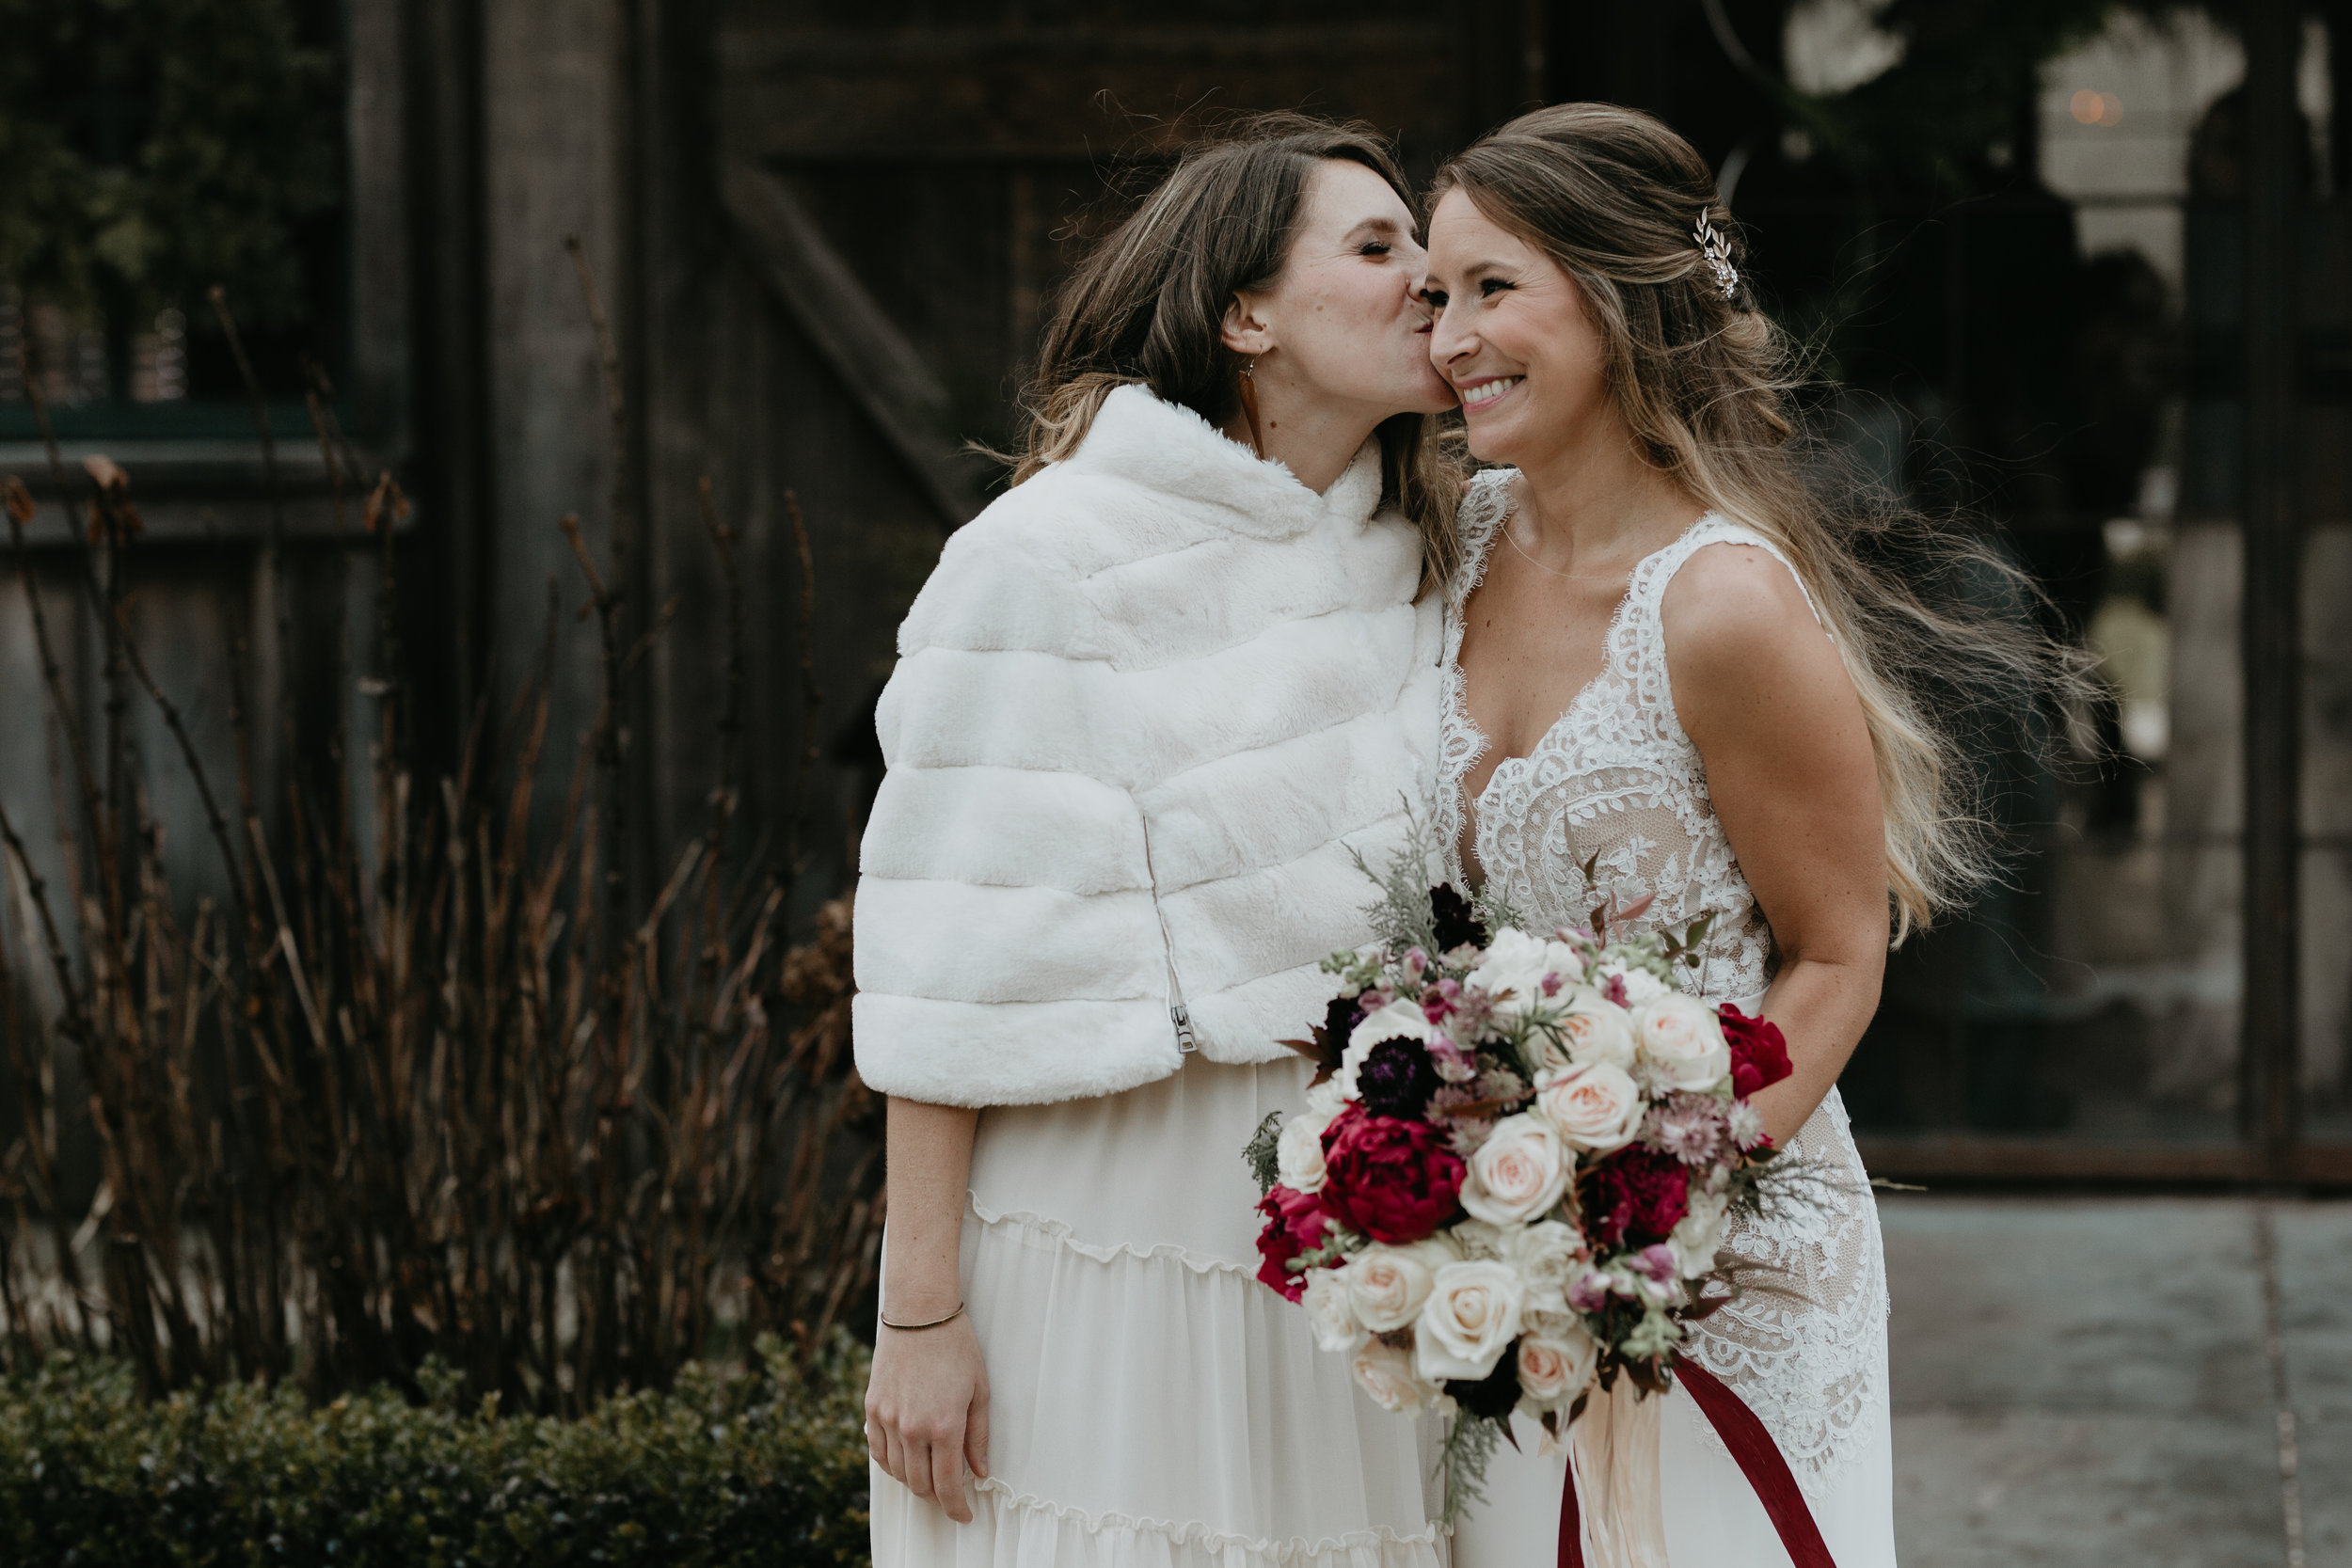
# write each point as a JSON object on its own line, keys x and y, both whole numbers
{"x": 1163, "y": 635}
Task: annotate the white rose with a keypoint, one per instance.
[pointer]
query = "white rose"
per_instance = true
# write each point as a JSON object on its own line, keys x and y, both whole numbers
{"x": 1640, "y": 984}
{"x": 1324, "y": 1099}
{"x": 1469, "y": 1319}
{"x": 1514, "y": 969}
{"x": 1518, "y": 1173}
{"x": 1553, "y": 1370}
{"x": 1695, "y": 1236}
{"x": 1597, "y": 1108}
{"x": 1299, "y": 1153}
{"x": 1544, "y": 1255}
{"x": 1389, "y": 1283}
{"x": 1331, "y": 1311}
{"x": 1682, "y": 1040}
{"x": 1388, "y": 1375}
{"x": 1401, "y": 1019}
{"x": 1476, "y": 1239}
{"x": 1595, "y": 1029}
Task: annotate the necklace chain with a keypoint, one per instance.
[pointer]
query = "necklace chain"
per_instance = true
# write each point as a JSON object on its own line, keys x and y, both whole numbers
{"x": 1551, "y": 571}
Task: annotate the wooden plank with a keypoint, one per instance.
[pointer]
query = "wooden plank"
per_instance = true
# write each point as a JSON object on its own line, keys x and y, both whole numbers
{"x": 1974, "y": 1159}
{"x": 2271, "y": 622}
{"x": 376, "y": 382}
{"x": 1054, "y": 94}
{"x": 2323, "y": 1164}
{"x": 879, "y": 368}
{"x": 1978, "y": 1158}
{"x": 448, "y": 432}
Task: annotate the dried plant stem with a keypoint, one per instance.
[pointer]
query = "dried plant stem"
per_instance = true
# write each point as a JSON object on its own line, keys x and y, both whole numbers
{"x": 468, "y": 1099}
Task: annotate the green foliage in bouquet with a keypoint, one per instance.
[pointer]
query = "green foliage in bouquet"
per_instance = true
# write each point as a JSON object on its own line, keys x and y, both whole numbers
{"x": 767, "y": 1466}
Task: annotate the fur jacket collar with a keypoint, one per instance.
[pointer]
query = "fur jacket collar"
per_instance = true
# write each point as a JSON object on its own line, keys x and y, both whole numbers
{"x": 1147, "y": 710}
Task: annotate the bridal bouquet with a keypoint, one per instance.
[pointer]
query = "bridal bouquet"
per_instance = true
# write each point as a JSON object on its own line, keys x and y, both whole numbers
{"x": 1516, "y": 1162}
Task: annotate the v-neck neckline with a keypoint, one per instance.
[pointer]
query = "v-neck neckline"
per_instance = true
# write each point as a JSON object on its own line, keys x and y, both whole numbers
{"x": 1474, "y": 801}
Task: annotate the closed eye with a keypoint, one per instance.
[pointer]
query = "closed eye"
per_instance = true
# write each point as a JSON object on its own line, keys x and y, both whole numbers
{"x": 1374, "y": 248}
{"x": 1434, "y": 298}
{"x": 1489, "y": 287}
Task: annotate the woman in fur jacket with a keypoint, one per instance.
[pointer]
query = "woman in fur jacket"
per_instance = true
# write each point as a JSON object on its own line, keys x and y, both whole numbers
{"x": 1147, "y": 709}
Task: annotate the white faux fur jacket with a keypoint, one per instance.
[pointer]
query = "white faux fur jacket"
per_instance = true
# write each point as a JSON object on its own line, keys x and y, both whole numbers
{"x": 1162, "y": 632}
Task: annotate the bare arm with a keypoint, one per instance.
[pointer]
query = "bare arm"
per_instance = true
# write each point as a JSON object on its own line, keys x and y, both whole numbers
{"x": 1766, "y": 699}
{"x": 926, "y": 1403}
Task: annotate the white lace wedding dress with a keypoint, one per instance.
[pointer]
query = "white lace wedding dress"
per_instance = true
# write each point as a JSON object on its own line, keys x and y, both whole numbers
{"x": 1616, "y": 777}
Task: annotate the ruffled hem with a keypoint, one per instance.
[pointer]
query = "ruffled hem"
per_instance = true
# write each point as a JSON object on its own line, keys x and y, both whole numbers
{"x": 1384, "y": 1545}
{"x": 1059, "y": 1233}
{"x": 1012, "y": 1530}
{"x": 1152, "y": 1404}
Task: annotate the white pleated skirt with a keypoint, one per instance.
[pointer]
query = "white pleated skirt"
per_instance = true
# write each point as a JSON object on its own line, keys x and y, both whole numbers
{"x": 1152, "y": 1405}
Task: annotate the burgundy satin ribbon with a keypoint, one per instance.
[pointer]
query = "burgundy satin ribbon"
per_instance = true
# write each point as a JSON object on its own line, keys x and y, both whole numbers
{"x": 1759, "y": 1460}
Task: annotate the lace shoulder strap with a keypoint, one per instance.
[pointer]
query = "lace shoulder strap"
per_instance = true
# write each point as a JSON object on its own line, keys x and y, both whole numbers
{"x": 1485, "y": 504}
{"x": 1637, "y": 643}
{"x": 1647, "y": 593}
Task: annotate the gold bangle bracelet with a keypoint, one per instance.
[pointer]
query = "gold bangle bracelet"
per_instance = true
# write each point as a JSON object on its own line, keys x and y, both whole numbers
{"x": 909, "y": 1328}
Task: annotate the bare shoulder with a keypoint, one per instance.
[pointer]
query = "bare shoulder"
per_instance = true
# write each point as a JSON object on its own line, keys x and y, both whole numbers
{"x": 1735, "y": 608}
{"x": 1748, "y": 666}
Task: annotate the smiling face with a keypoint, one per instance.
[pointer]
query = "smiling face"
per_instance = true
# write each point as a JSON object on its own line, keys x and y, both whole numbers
{"x": 1343, "y": 330}
{"x": 1512, "y": 337}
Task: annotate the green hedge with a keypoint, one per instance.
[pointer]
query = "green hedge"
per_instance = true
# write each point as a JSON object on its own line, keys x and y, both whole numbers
{"x": 725, "y": 1469}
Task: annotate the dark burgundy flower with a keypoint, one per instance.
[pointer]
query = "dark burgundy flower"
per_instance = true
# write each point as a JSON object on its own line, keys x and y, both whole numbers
{"x": 1294, "y": 1223}
{"x": 1759, "y": 1056}
{"x": 1494, "y": 1396}
{"x": 1635, "y": 1195}
{"x": 1398, "y": 1078}
{"x": 1387, "y": 1178}
{"x": 1457, "y": 923}
{"x": 1339, "y": 1022}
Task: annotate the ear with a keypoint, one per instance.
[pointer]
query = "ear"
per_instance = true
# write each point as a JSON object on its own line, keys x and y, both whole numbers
{"x": 1245, "y": 328}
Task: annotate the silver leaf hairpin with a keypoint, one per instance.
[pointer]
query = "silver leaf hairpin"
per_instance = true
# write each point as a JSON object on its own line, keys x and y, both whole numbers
{"x": 1718, "y": 253}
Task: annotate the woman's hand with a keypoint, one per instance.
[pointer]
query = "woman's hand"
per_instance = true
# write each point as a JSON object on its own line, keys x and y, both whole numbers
{"x": 927, "y": 1403}
{"x": 927, "y": 1412}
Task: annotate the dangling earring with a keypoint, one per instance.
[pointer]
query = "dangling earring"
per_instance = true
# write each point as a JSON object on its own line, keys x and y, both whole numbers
{"x": 1249, "y": 404}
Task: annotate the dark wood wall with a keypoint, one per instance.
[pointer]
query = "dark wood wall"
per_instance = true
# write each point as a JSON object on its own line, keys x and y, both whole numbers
{"x": 846, "y": 228}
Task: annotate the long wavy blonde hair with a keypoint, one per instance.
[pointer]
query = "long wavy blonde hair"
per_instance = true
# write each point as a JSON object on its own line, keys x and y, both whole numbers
{"x": 1147, "y": 306}
{"x": 1706, "y": 382}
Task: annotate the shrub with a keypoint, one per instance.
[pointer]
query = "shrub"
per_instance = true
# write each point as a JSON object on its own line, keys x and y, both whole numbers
{"x": 727, "y": 1466}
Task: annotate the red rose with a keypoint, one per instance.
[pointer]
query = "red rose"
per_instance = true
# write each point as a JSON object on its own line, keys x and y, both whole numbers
{"x": 1635, "y": 1195}
{"x": 1389, "y": 1178}
{"x": 1294, "y": 1223}
{"x": 1760, "y": 1056}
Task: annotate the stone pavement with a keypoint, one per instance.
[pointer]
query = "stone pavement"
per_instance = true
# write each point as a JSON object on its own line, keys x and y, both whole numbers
{"x": 2093, "y": 1381}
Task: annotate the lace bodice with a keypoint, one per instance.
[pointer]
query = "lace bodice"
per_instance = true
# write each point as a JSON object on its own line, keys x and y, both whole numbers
{"x": 1616, "y": 783}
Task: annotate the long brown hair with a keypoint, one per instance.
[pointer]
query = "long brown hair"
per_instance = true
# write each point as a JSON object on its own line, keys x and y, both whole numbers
{"x": 1706, "y": 380}
{"x": 1147, "y": 307}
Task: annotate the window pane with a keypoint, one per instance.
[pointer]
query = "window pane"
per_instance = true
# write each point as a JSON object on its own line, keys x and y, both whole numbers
{"x": 2327, "y": 866}
{"x": 2098, "y": 997}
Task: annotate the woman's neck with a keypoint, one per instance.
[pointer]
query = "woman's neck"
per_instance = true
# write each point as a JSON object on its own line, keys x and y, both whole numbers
{"x": 1313, "y": 439}
{"x": 1593, "y": 500}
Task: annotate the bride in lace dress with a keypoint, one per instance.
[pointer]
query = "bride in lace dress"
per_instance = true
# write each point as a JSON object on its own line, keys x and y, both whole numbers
{"x": 1666, "y": 665}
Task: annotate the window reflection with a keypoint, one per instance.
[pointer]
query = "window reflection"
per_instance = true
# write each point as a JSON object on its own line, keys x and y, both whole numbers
{"x": 2098, "y": 995}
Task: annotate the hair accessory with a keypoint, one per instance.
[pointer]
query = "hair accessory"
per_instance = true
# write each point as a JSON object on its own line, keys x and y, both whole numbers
{"x": 1718, "y": 253}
